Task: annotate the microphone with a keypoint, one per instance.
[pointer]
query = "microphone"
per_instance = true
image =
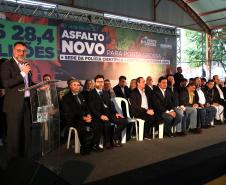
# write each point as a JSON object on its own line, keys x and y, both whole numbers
{"x": 25, "y": 62}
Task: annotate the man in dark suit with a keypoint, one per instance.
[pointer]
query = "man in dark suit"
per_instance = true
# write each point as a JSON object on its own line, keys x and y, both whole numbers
{"x": 163, "y": 105}
{"x": 219, "y": 90}
{"x": 75, "y": 113}
{"x": 206, "y": 112}
{"x": 141, "y": 106}
{"x": 212, "y": 98}
{"x": 121, "y": 90}
{"x": 181, "y": 127}
{"x": 3, "y": 125}
{"x": 178, "y": 76}
{"x": 149, "y": 87}
{"x": 103, "y": 110}
{"x": 15, "y": 74}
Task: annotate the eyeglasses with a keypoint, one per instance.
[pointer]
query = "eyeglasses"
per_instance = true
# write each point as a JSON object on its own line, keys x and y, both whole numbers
{"x": 20, "y": 50}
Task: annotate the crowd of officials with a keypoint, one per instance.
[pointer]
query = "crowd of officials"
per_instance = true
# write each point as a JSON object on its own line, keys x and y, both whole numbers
{"x": 184, "y": 106}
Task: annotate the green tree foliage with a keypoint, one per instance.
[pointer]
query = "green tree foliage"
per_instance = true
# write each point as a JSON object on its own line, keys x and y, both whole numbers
{"x": 219, "y": 45}
{"x": 195, "y": 50}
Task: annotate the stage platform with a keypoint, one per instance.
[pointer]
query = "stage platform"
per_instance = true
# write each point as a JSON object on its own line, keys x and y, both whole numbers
{"x": 193, "y": 159}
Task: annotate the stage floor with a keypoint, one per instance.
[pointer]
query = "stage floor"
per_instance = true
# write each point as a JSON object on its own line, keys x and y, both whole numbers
{"x": 134, "y": 154}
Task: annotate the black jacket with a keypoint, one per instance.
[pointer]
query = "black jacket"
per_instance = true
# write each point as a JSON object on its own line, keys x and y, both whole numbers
{"x": 161, "y": 103}
{"x": 72, "y": 111}
{"x": 101, "y": 106}
{"x": 118, "y": 92}
{"x": 12, "y": 80}
{"x": 174, "y": 96}
{"x": 135, "y": 100}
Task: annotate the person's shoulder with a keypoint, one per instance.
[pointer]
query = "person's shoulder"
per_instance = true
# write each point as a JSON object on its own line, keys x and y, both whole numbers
{"x": 116, "y": 87}
{"x": 67, "y": 96}
{"x": 134, "y": 91}
{"x": 7, "y": 62}
{"x": 92, "y": 93}
{"x": 156, "y": 89}
{"x": 126, "y": 87}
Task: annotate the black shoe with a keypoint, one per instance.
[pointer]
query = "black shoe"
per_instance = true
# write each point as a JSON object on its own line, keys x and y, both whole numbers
{"x": 116, "y": 143}
{"x": 211, "y": 126}
{"x": 169, "y": 135}
{"x": 147, "y": 138}
{"x": 217, "y": 122}
{"x": 196, "y": 131}
{"x": 109, "y": 146}
{"x": 96, "y": 148}
{"x": 180, "y": 134}
{"x": 205, "y": 126}
{"x": 85, "y": 152}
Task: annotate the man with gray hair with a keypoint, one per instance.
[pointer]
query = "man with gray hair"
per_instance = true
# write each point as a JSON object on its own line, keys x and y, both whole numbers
{"x": 75, "y": 113}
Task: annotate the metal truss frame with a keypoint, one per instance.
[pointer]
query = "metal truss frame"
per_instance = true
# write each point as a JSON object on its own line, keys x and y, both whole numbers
{"x": 70, "y": 14}
{"x": 178, "y": 47}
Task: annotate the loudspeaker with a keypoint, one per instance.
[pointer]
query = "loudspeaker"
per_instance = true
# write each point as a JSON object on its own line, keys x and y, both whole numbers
{"x": 27, "y": 172}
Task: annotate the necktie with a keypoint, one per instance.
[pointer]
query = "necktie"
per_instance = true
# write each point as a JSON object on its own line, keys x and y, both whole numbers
{"x": 101, "y": 94}
{"x": 164, "y": 94}
{"x": 26, "y": 80}
{"x": 77, "y": 99}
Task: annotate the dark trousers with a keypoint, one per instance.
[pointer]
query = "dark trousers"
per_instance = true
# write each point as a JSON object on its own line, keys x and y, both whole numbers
{"x": 149, "y": 121}
{"x": 86, "y": 134}
{"x": 121, "y": 124}
{"x": 97, "y": 131}
{"x": 223, "y": 103}
{"x": 206, "y": 115}
{"x": 118, "y": 123}
{"x": 170, "y": 121}
{"x": 19, "y": 131}
{"x": 3, "y": 125}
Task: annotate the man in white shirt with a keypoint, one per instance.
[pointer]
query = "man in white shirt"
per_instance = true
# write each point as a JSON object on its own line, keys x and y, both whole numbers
{"x": 219, "y": 90}
{"x": 141, "y": 106}
{"x": 16, "y": 74}
{"x": 206, "y": 112}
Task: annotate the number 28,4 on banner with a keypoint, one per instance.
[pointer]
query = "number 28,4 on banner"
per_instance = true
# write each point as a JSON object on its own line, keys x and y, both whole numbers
{"x": 41, "y": 40}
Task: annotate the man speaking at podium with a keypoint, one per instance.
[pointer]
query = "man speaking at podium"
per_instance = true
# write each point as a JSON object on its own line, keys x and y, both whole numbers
{"x": 16, "y": 74}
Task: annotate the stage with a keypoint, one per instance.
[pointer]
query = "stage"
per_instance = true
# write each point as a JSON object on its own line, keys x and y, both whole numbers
{"x": 193, "y": 159}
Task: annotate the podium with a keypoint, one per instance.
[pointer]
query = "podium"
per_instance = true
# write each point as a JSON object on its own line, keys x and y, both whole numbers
{"x": 45, "y": 117}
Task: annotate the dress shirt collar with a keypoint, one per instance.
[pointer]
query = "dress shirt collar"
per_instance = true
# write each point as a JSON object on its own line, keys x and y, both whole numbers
{"x": 163, "y": 91}
{"x": 99, "y": 90}
{"x": 141, "y": 91}
{"x": 150, "y": 87}
{"x": 18, "y": 63}
{"x": 74, "y": 93}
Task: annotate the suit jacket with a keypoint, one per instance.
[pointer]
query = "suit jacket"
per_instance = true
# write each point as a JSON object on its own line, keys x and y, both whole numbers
{"x": 101, "y": 106}
{"x": 211, "y": 95}
{"x": 177, "y": 78}
{"x": 224, "y": 91}
{"x": 174, "y": 96}
{"x": 118, "y": 92}
{"x": 149, "y": 90}
{"x": 72, "y": 110}
{"x": 12, "y": 80}
{"x": 184, "y": 98}
{"x": 161, "y": 103}
{"x": 218, "y": 94}
{"x": 135, "y": 100}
